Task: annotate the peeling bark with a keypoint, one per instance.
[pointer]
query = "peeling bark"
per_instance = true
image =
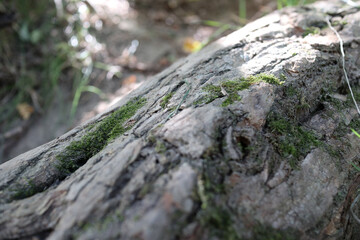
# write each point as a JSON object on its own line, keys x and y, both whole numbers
{"x": 274, "y": 163}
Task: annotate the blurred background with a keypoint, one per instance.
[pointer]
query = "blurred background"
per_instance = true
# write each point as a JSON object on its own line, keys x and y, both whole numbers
{"x": 64, "y": 61}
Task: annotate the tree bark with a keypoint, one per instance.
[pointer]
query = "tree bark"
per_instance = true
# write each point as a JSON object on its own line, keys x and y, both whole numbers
{"x": 250, "y": 138}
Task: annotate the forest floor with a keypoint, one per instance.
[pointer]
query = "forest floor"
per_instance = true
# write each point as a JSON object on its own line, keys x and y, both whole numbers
{"x": 134, "y": 44}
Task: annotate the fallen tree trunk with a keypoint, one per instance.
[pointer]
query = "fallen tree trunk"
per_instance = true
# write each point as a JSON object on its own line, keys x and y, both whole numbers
{"x": 249, "y": 138}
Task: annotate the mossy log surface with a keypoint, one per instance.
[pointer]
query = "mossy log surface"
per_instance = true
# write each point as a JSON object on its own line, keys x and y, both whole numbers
{"x": 250, "y": 138}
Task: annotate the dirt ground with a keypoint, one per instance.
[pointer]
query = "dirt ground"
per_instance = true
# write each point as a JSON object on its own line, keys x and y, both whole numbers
{"x": 138, "y": 39}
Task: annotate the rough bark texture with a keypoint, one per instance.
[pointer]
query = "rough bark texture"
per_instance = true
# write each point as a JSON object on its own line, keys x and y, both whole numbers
{"x": 270, "y": 161}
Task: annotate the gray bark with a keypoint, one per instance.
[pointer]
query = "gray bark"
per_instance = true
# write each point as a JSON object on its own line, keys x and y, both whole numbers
{"x": 273, "y": 165}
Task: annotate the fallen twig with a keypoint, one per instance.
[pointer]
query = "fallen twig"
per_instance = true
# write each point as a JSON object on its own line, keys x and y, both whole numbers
{"x": 343, "y": 61}
{"x": 357, "y": 219}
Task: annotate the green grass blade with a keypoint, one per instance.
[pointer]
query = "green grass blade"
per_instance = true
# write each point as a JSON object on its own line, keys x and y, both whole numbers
{"x": 356, "y": 133}
{"x": 93, "y": 89}
{"x": 212, "y": 23}
{"x": 356, "y": 167}
{"x": 242, "y": 9}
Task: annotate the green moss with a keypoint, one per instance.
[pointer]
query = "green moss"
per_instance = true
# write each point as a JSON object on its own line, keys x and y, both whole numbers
{"x": 230, "y": 88}
{"x": 263, "y": 77}
{"x": 291, "y": 141}
{"x": 165, "y": 100}
{"x": 303, "y": 106}
{"x": 339, "y": 105}
{"x": 90, "y": 126}
{"x": 214, "y": 217}
{"x": 160, "y": 146}
{"x": 78, "y": 152}
{"x": 290, "y": 91}
{"x": 151, "y": 138}
{"x": 263, "y": 232}
{"x": 144, "y": 190}
{"x": 282, "y": 78}
{"x": 219, "y": 223}
{"x": 337, "y": 23}
{"x": 136, "y": 218}
{"x": 236, "y": 85}
{"x": 344, "y": 129}
{"x": 27, "y": 190}
{"x": 231, "y": 99}
{"x": 334, "y": 153}
{"x": 340, "y": 195}
{"x": 214, "y": 92}
{"x": 311, "y": 30}
{"x": 102, "y": 224}
{"x": 355, "y": 124}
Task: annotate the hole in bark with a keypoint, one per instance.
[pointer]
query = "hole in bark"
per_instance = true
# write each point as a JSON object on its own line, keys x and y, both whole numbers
{"x": 244, "y": 144}
{"x": 344, "y": 90}
{"x": 319, "y": 107}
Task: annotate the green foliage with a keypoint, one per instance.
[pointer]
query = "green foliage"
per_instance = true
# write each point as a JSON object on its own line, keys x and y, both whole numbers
{"x": 242, "y": 10}
{"x": 78, "y": 152}
{"x": 231, "y": 88}
{"x": 38, "y": 55}
{"x": 292, "y": 141}
{"x": 82, "y": 86}
{"x": 21, "y": 49}
{"x": 286, "y": 3}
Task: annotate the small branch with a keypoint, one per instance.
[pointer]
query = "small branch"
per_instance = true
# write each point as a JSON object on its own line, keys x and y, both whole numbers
{"x": 343, "y": 62}
{"x": 352, "y": 209}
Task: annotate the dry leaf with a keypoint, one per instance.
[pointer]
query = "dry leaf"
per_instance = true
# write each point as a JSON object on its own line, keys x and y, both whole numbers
{"x": 164, "y": 62}
{"x": 190, "y": 45}
{"x": 25, "y": 110}
{"x": 129, "y": 80}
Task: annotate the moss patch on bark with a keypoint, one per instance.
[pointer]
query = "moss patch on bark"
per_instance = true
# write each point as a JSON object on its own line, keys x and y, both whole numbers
{"x": 78, "y": 152}
{"x": 230, "y": 88}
